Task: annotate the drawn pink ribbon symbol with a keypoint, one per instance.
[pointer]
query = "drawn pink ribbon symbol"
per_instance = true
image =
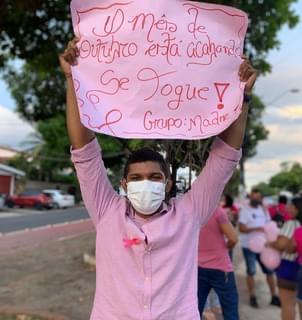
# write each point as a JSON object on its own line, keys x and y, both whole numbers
{"x": 130, "y": 242}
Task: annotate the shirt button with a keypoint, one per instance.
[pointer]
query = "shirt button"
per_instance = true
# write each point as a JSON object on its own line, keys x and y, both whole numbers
{"x": 146, "y": 278}
{"x": 145, "y": 306}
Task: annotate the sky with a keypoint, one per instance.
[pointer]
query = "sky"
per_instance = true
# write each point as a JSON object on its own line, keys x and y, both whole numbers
{"x": 283, "y": 115}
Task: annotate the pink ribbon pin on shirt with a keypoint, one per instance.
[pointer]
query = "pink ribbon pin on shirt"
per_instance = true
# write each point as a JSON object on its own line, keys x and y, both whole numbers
{"x": 130, "y": 242}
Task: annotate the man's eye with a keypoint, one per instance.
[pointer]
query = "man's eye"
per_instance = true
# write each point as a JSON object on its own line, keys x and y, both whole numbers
{"x": 157, "y": 178}
{"x": 135, "y": 179}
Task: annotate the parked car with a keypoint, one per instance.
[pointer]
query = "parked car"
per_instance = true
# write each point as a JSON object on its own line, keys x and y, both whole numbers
{"x": 36, "y": 199}
{"x": 2, "y": 201}
{"x": 60, "y": 198}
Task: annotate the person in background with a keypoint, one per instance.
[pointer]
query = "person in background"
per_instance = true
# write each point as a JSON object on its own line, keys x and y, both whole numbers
{"x": 288, "y": 270}
{"x": 279, "y": 212}
{"x": 252, "y": 219}
{"x": 215, "y": 269}
{"x": 227, "y": 203}
{"x": 230, "y": 208}
{"x": 298, "y": 245}
{"x": 295, "y": 246}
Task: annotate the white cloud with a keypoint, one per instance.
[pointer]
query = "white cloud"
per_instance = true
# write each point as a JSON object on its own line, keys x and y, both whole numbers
{"x": 284, "y": 145}
{"x": 286, "y": 134}
{"x": 276, "y": 89}
{"x": 291, "y": 112}
{"x": 13, "y": 130}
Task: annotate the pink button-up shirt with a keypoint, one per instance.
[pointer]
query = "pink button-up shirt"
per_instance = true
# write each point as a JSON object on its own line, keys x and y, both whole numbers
{"x": 148, "y": 271}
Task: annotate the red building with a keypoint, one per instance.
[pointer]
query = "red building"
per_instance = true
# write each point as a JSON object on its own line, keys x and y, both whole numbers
{"x": 8, "y": 179}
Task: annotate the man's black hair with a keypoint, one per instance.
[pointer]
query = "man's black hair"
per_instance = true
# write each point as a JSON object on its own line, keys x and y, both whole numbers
{"x": 146, "y": 154}
{"x": 255, "y": 190}
{"x": 282, "y": 199}
{"x": 229, "y": 201}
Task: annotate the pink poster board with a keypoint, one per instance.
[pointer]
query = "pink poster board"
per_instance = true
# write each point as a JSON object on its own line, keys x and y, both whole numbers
{"x": 163, "y": 69}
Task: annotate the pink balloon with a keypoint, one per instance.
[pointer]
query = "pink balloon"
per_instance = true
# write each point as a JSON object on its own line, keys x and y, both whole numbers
{"x": 272, "y": 231}
{"x": 257, "y": 242}
{"x": 270, "y": 257}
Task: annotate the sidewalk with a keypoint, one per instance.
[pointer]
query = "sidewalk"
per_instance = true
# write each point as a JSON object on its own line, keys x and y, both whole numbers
{"x": 52, "y": 278}
{"x": 265, "y": 311}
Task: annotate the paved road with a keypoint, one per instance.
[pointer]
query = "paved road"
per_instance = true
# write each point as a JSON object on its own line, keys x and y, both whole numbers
{"x": 20, "y": 219}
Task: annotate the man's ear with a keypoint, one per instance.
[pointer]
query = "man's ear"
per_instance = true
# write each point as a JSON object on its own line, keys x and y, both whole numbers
{"x": 169, "y": 185}
{"x": 123, "y": 183}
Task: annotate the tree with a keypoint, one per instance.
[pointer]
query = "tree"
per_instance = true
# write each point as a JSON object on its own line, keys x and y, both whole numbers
{"x": 255, "y": 131}
{"x": 182, "y": 153}
{"x": 46, "y": 150}
{"x": 44, "y": 27}
{"x": 266, "y": 189}
{"x": 289, "y": 178}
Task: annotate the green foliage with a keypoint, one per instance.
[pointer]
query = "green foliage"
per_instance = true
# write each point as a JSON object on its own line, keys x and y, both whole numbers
{"x": 255, "y": 131}
{"x": 48, "y": 151}
{"x": 54, "y": 154}
{"x": 40, "y": 94}
{"x": 266, "y": 189}
{"x": 233, "y": 184}
{"x": 289, "y": 178}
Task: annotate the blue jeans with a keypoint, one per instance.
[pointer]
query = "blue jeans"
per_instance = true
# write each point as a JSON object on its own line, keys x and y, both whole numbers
{"x": 251, "y": 258}
{"x": 299, "y": 284}
{"x": 224, "y": 285}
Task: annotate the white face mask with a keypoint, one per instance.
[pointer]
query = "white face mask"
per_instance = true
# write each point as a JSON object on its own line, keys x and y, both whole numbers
{"x": 146, "y": 196}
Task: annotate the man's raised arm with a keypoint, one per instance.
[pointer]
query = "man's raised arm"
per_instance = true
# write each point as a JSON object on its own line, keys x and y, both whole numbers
{"x": 79, "y": 135}
{"x": 224, "y": 156}
{"x": 96, "y": 189}
{"x": 234, "y": 134}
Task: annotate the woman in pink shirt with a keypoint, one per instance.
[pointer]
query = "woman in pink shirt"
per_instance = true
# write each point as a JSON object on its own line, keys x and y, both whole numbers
{"x": 215, "y": 269}
{"x": 288, "y": 269}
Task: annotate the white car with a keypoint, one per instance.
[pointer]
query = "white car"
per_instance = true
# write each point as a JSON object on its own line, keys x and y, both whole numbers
{"x": 60, "y": 198}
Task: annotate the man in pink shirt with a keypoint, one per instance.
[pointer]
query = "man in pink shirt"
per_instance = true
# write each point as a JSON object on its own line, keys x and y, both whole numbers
{"x": 146, "y": 249}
